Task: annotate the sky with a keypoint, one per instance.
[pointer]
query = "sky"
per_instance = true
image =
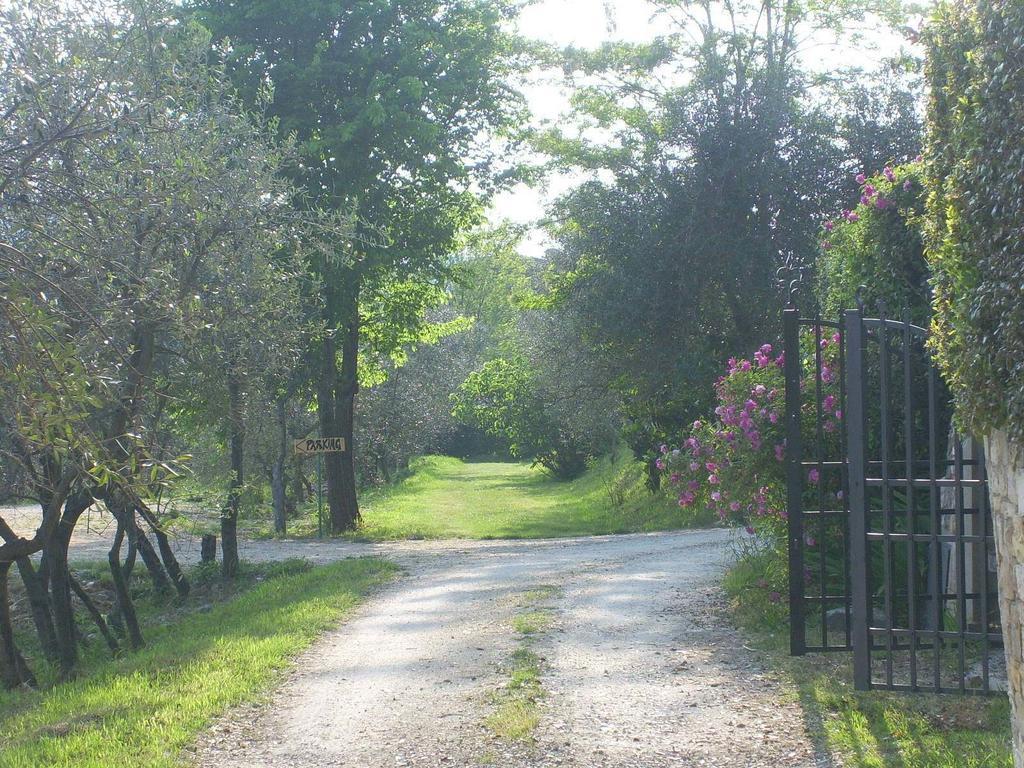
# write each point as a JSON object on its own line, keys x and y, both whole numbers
{"x": 587, "y": 24}
{"x": 584, "y": 24}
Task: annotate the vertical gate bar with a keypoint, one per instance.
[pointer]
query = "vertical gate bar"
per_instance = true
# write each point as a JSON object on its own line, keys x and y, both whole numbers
{"x": 961, "y": 576}
{"x": 844, "y": 485}
{"x": 819, "y": 448}
{"x": 934, "y": 504}
{"x": 854, "y": 333}
{"x": 908, "y": 444}
{"x": 887, "y": 511}
{"x": 981, "y": 495}
{"x": 794, "y": 480}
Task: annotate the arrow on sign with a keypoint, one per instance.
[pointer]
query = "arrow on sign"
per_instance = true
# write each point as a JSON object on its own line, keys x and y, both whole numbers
{"x": 313, "y": 445}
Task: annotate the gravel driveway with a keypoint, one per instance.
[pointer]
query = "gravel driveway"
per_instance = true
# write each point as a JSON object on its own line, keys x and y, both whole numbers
{"x": 641, "y": 668}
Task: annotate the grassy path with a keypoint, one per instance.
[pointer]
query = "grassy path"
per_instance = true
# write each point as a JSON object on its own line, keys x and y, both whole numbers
{"x": 448, "y": 498}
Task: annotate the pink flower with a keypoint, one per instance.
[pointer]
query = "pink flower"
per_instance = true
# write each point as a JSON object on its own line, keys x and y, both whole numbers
{"x": 809, "y": 540}
{"x": 881, "y": 203}
{"x": 675, "y": 478}
{"x": 716, "y": 495}
{"x": 888, "y": 173}
{"x": 829, "y": 403}
{"x": 745, "y": 365}
{"x": 906, "y": 185}
{"x": 749, "y": 529}
{"x": 826, "y": 245}
{"x": 773, "y": 417}
{"x": 780, "y": 452}
{"x": 860, "y": 178}
{"x": 734, "y": 506}
{"x": 826, "y": 374}
{"x": 659, "y": 464}
{"x": 851, "y": 216}
{"x": 829, "y": 226}
{"x": 869, "y": 190}
{"x": 697, "y": 425}
{"x": 919, "y": 159}
{"x": 713, "y": 479}
{"x": 780, "y": 360}
{"x": 663, "y": 449}
{"x": 813, "y": 476}
{"x": 759, "y": 390}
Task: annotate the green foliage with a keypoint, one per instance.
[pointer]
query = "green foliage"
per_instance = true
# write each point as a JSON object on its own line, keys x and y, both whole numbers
{"x": 875, "y": 251}
{"x": 502, "y": 398}
{"x": 976, "y": 208}
{"x": 668, "y": 254}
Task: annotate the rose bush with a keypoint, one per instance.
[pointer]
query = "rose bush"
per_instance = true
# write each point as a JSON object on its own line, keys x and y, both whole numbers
{"x": 734, "y": 463}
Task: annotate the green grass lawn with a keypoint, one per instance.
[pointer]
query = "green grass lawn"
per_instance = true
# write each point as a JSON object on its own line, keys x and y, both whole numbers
{"x": 144, "y": 708}
{"x": 874, "y": 729}
{"x": 448, "y": 498}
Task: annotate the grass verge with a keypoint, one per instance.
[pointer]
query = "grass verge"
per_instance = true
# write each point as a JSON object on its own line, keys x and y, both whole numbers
{"x": 444, "y": 497}
{"x": 144, "y": 708}
{"x": 873, "y": 729}
{"x": 517, "y": 703}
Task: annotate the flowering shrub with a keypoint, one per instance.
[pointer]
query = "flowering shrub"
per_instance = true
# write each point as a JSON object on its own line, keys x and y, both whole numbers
{"x": 878, "y": 245}
{"x": 735, "y": 462}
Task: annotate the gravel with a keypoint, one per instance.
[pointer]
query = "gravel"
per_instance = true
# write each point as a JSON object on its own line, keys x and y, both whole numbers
{"x": 641, "y": 666}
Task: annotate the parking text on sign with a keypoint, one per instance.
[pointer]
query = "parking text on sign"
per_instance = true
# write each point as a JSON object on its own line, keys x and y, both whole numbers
{"x": 320, "y": 445}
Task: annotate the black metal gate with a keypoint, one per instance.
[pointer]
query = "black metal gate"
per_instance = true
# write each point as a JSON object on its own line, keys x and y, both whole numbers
{"x": 818, "y": 512}
{"x": 925, "y": 611}
{"x": 891, "y": 551}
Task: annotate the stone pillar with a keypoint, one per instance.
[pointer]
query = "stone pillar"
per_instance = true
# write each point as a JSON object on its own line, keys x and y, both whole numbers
{"x": 1005, "y": 461}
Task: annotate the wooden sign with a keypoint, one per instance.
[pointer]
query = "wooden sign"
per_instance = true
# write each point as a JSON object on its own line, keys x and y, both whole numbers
{"x": 309, "y": 446}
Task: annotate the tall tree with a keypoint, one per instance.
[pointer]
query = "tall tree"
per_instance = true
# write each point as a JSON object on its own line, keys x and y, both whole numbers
{"x": 699, "y": 191}
{"x": 401, "y": 109}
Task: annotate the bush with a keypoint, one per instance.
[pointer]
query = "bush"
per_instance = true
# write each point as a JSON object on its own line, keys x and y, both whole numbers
{"x": 878, "y": 245}
{"x": 503, "y": 399}
{"x": 976, "y": 209}
{"x": 735, "y": 462}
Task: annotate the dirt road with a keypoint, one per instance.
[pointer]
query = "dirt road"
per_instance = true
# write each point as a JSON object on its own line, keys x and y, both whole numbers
{"x": 640, "y": 668}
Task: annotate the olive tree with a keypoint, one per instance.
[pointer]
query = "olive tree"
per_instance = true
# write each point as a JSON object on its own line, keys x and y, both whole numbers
{"x": 134, "y": 192}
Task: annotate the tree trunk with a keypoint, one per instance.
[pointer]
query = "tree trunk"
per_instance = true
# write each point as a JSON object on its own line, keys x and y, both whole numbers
{"x": 161, "y": 583}
{"x": 1005, "y": 462}
{"x": 344, "y": 414}
{"x": 124, "y": 600}
{"x": 60, "y": 600}
{"x": 171, "y": 562}
{"x": 329, "y": 427}
{"x": 277, "y": 478}
{"x": 229, "y": 515}
{"x": 39, "y": 602}
{"x": 97, "y": 617}
{"x": 13, "y": 669}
